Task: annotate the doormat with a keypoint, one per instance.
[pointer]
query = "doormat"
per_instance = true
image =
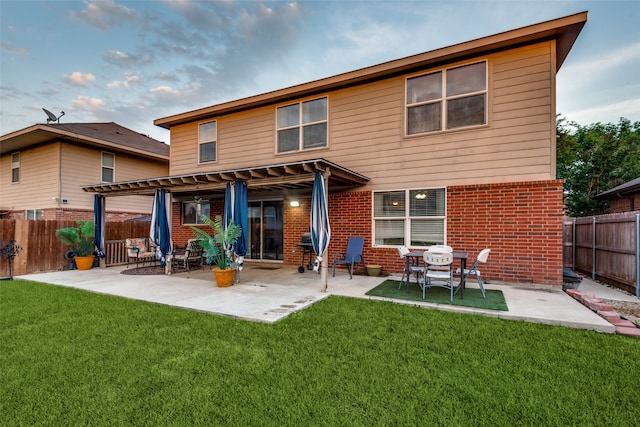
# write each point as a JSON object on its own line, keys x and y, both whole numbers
{"x": 472, "y": 296}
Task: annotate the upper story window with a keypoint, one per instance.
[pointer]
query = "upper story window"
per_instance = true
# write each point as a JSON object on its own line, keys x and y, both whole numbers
{"x": 413, "y": 218}
{"x": 302, "y": 126}
{"x": 15, "y": 167}
{"x": 207, "y": 146}
{"x": 108, "y": 166}
{"x": 448, "y": 99}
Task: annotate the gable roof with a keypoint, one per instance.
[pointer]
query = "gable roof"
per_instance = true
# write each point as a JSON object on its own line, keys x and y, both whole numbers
{"x": 627, "y": 188}
{"x": 564, "y": 31}
{"x": 105, "y": 135}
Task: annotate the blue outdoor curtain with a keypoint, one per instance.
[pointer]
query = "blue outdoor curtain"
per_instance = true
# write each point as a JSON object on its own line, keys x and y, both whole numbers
{"x": 160, "y": 232}
{"x": 320, "y": 228}
{"x": 99, "y": 223}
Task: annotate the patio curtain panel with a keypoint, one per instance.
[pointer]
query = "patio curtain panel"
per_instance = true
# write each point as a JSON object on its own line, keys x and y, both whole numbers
{"x": 160, "y": 232}
{"x": 99, "y": 223}
{"x": 320, "y": 228}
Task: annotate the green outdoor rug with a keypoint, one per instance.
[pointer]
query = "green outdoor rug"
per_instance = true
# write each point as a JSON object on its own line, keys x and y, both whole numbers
{"x": 472, "y": 296}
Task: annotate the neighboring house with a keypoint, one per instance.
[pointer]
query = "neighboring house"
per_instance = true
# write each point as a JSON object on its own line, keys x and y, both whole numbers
{"x": 623, "y": 198}
{"x": 45, "y": 166}
{"x": 455, "y": 146}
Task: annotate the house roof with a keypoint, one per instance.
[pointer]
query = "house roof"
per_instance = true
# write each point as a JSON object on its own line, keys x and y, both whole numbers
{"x": 625, "y": 189}
{"x": 288, "y": 176}
{"x": 105, "y": 135}
{"x": 563, "y": 30}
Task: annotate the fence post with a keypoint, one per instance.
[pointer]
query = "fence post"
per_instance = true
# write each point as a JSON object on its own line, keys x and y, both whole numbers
{"x": 573, "y": 245}
{"x": 593, "y": 250}
{"x": 638, "y": 255}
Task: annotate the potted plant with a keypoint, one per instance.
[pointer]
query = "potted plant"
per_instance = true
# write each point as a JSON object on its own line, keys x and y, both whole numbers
{"x": 80, "y": 238}
{"x": 218, "y": 247}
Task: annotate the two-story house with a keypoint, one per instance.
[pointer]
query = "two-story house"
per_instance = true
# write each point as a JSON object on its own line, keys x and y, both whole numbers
{"x": 454, "y": 145}
{"x": 45, "y": 165}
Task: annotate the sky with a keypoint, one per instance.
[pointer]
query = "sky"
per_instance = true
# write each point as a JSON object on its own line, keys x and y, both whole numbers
{"x": 132, "y": 62}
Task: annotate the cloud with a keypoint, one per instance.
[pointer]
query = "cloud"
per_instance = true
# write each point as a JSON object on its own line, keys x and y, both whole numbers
{"x": 609, "y": 113}
{"x": 79, "y": 79}
{"x": 116, "y": 57}
{"x": 166, "y": 92}
{"x": 127, "y": 82}
{"x": 104, "y": 14}
{"x": 8, "y": 47}
{"x": 84, "y": 103}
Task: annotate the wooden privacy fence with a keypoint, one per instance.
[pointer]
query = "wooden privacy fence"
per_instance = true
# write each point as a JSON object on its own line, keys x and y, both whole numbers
{"x": 42, "y": 251}
{"x": 607, "y": 247}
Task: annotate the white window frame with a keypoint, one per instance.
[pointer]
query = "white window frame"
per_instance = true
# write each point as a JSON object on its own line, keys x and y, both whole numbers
{"x": 15, "y": 165}
{"x": 407, "y": 218}
{"x": 444, "y": 99}
{"x": 33, "y": 214}
{"x": 103, "y": 166}
{"x": 203, "y": 139}
{"x": 301, "y": 126}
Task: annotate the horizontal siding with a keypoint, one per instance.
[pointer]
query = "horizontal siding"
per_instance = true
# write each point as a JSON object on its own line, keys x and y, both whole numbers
{"x": 38, "y": 179}
{"x": 366, "y": 132}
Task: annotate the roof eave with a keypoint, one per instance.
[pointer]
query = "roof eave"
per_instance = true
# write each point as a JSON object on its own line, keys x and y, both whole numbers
{"x": 565, "y": 30}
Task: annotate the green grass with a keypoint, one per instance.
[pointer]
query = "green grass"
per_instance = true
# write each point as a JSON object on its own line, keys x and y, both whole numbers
{"x": 70, "y": 357}
{"x": 472, "y": 297}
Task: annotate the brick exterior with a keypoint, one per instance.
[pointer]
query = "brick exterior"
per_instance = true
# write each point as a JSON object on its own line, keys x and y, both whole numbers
{"x": 520, "y": 222}
{"x": 628, "y": 203}
{"x": 75, "y": 214}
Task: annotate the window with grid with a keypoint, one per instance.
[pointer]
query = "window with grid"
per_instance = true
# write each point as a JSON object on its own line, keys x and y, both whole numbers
{"x": 413, "y": 218}
{"x": 207, "y": 142}
{"x": 15, "y": 167}
{"x": 33, "y": 214}
{"x": 448, "y": 99}
{"x": 302, "y": 126}
{"x": 108, "y": 167}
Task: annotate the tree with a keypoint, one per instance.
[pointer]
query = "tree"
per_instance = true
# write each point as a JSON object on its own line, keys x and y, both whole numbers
{"x": 593, "y": 159}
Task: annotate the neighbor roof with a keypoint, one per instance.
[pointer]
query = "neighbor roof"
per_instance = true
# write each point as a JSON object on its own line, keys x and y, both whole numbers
{"x": 564, "y": 31}
{"x": 107, "y": 135}
{"x": 632, "y": 186}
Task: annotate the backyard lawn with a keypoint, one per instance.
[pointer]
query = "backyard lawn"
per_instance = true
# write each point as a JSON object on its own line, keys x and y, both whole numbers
{"x": 71, "y": 357}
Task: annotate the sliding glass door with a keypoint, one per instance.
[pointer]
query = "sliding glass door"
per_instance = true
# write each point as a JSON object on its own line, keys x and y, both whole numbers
{"x": 265, "y": 230}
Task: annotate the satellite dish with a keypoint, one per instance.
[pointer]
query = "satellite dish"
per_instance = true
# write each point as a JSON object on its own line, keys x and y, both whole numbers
{"x": 52, "y": 117}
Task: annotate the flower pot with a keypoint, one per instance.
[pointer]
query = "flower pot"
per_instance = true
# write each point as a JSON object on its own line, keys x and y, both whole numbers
{"x": 373, "y": 270}
{"x": 84, "y": 262}
{"x": 224, "y": 278}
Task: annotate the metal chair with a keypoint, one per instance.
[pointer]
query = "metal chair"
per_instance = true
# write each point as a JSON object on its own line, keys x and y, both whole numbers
{"x": 473, "y": 270}
{"x": 438, "y": 271}
{"x": 410, "y": 266}
{"x": 192, "y": 254}
{"x": 137, "y": 249}
{"x": 355, "y": 246}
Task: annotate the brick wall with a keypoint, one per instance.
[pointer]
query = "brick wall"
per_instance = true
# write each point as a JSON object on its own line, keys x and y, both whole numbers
{"x": 625, "y": 204}
{"x": 520, "y": 222}
{"x": 75, "y": 214}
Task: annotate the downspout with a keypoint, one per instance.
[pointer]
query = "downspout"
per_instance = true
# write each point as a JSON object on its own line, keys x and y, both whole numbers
{"x": 593, "y": 249}
{"x": 59, "y": 196}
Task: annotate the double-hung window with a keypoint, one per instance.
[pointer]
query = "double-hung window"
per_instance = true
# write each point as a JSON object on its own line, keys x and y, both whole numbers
{"x": 108, "y": 166}
{"x": 15, "y": 167}
{"x": 302, "y": 126}
{"x": 414, "y": 218}
{"x": 447, "y": 99}
{"x": 207, "y": 142}
{"x": 33, "y": 214}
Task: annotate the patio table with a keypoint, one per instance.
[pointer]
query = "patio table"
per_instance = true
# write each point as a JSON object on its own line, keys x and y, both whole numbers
{"x": 418, "y": 255}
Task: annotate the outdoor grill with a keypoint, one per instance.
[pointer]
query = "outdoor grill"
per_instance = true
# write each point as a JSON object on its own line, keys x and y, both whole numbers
{"x": 307, "y": 249}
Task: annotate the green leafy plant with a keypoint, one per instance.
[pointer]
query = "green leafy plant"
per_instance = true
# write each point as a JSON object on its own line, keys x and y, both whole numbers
{"x": 80, "y": 238}
{"x": 218, "y": 246}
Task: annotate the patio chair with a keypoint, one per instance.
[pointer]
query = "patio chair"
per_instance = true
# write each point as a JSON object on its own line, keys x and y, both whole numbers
{"x": 137, "y": 249}
{"x": 437, "y": 271}
{"x": 353, "y": 256}
{"x": 410, "y": 266}
{"x": 190, "y": 255}
{"x": 473, "y": 270}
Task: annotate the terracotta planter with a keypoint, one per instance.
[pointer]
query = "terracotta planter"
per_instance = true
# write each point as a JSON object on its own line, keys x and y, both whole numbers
{"x": 224, "y": 278}
{"x": 84, "y": 262}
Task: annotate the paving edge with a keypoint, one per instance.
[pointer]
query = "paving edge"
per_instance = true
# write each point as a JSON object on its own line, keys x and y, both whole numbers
{"x": 606, "y": 311}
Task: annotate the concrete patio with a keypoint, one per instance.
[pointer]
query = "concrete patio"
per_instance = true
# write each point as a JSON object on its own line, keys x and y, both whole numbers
{"x": 270, "y": 292}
